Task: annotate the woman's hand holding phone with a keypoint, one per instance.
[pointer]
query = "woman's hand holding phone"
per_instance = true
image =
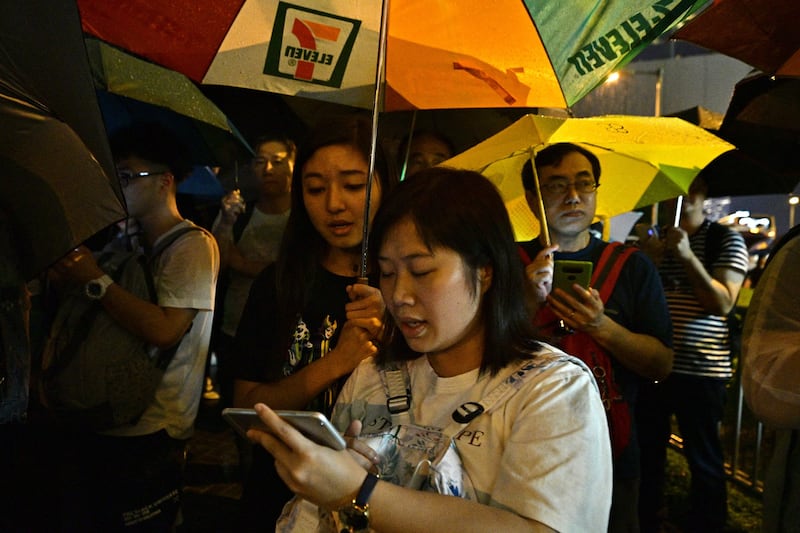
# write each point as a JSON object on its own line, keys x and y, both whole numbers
{"x": 319, "y": 474}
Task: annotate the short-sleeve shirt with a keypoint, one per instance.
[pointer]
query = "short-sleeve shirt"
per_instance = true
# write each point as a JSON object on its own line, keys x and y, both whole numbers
{"x": 264, "y": 354}
{"x": 543, "y": 454}
{"x": 259, "y": 241}
{"x": 701, "y": 340}
{"x": 185, "y": 275}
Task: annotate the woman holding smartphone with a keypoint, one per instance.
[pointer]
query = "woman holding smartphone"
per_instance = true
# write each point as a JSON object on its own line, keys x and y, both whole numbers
{"x": 453, "y": 285}
{"x": 307, "y": 322}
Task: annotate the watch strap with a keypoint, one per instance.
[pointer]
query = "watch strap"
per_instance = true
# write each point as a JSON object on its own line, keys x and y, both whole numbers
{"x": 355, "y": 516}
{"x": 96, "y": 288}
{"x": 366, "y": 490}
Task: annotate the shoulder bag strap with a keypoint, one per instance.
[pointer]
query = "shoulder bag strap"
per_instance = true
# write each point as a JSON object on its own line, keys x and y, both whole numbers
{"x": 469, "y": 411}
{"x": 397, "y": 387}
{"x": 396, "y": 384}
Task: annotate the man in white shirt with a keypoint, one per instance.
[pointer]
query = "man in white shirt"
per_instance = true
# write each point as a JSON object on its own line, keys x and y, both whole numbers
{"x": 132, "y": 475}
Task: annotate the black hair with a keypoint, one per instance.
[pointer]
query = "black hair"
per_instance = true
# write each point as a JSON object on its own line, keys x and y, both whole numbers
{"x": 403, "y": 148}
{"x": 152, "y": 142}
{"x": 463, "y": 211}
{"x": 302, "y": 247}
{"x": 275, "y": 137}
{"x": 552, "y": 156}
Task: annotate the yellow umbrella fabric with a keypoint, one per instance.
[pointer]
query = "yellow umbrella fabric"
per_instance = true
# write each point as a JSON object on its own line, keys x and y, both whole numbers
{"x": 644, "y": 160}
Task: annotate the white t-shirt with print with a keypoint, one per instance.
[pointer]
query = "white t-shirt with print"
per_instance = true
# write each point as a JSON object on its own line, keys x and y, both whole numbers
{"x": 544, "y": 454}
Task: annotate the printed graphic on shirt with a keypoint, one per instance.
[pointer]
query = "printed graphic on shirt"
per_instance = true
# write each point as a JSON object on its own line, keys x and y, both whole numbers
{"x": 308, "y": 345}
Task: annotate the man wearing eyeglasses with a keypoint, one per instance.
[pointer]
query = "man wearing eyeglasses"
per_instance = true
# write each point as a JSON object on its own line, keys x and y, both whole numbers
{"x": 249, "y": 236}
{"x": 132, "y": 475}
{"x": 631, "y": 329}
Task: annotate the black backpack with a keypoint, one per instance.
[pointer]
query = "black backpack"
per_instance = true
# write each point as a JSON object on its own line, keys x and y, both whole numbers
{"x": 96, "y": 374}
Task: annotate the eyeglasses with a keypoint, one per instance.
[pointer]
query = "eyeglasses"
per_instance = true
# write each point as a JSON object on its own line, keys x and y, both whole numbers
{"x": 126, "y": 176}
{"x": 558, "y": 187}
{"x": 274, "y": 160}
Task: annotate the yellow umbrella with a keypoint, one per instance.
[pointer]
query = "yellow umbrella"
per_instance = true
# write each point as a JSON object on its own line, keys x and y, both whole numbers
{"x": 644, "y": 160}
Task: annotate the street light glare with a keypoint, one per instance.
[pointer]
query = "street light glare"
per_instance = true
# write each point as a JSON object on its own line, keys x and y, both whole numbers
{"x": 613, "y": 77}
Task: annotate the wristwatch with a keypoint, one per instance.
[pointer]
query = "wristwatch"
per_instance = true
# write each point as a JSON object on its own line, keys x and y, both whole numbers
{"x": 355, "y": 517}
{"x": 96, "y": 288}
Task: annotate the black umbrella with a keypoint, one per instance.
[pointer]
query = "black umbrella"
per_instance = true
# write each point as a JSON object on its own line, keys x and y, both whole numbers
{"x": 58, "y": 183}
{"x": 763, "y": 122}
{"x": 737, "y": 173}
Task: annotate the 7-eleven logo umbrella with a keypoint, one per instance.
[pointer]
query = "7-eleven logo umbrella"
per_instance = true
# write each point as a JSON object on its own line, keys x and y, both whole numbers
{"x": 465, "y": 54}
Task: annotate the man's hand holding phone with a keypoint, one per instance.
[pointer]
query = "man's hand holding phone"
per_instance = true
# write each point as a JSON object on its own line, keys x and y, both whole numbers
{"x": 567, "y": 274}
{"x": 572, "y": 299}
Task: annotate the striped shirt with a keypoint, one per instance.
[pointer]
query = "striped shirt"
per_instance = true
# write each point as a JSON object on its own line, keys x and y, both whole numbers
{"x": 702, "y": 341}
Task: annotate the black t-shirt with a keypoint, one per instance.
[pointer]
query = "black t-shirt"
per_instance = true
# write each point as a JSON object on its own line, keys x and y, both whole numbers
{"x": 264, "y": 354}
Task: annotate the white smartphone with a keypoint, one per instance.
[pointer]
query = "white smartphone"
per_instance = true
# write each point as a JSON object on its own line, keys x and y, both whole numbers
{"x": 312, "y": 424}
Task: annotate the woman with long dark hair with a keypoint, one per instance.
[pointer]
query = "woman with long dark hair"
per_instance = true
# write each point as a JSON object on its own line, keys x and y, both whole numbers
{"x": 307, "y": 322}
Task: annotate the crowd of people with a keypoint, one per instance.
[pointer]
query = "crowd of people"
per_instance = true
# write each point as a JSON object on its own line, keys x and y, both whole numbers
{"x": 537, "y": 408}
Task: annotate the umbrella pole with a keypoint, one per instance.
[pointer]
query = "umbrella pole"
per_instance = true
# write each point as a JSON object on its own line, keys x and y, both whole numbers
{"x": 678, "y": 207}
{"x": 545, "y": 230}
{"x": 408, "y": 145}
{"x": 380, "y": 72}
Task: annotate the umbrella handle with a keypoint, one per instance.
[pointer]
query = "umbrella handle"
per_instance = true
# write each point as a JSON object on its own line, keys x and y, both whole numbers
{"x": 545, "y": 230}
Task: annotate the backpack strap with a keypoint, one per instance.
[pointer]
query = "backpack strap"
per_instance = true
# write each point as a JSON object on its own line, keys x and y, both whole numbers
{"x": 526, "y": 259}
{"x": 609, "y": 267}
{"x": 165, "y": 356}
{"x": 165, "y": 243}
{"x": 242, "y": 221}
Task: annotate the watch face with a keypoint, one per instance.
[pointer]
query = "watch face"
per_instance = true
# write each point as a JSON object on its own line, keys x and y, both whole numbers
{"x": 356, "y": 519}
{"x": 96, "y": 288}
{"x": 93, "y": 288}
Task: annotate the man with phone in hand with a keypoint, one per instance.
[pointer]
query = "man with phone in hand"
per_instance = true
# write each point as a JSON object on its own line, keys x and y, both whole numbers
{"x": 702, "y": 265}
{"x": 621, "y": 327}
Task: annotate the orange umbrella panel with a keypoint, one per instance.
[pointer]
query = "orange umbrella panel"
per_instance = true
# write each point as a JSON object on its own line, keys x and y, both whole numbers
{"x": 439, "y": 55}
